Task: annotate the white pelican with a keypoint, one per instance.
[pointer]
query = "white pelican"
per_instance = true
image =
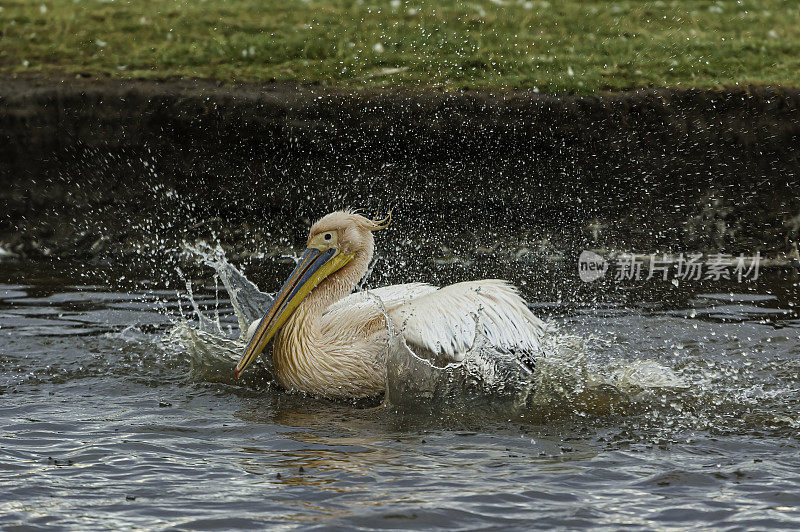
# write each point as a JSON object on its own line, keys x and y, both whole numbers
{"x": 333, "y": 343}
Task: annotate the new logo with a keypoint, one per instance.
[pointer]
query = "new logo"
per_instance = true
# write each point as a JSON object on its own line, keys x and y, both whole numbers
{"x": 591, "y": 266}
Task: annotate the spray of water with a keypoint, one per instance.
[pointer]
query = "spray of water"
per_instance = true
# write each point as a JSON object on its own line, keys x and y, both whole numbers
{"x": 564, "y": 378}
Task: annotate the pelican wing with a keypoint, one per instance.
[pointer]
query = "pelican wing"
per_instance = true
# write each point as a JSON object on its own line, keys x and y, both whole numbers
{"x": 366, "y": 311}
{"x": 390, "y": 296}
{"x": 397, "y": 294}
{"x": 446, "y": 322}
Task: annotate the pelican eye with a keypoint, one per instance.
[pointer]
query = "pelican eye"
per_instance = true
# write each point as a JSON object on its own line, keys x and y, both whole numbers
{"x": 328, "y": 236}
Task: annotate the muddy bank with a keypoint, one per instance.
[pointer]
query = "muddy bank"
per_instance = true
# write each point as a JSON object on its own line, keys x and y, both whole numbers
{"x": 114, "y": 170}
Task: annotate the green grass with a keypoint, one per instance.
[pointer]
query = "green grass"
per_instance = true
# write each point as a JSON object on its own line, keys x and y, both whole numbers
{"x": 580, "y": 46}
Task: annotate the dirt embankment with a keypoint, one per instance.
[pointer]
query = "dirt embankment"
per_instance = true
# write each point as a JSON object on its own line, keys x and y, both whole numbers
{"x": 90, "y": 167}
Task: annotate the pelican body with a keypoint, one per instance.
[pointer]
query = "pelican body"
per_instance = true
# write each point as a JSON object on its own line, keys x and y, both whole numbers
{"x": 331, "y": 342}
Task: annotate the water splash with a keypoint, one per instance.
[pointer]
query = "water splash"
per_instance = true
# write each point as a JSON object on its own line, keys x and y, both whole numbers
{"x": 248, "y": 301}
{"x": 212, "y": 350}
{"x": 565, "y": 379}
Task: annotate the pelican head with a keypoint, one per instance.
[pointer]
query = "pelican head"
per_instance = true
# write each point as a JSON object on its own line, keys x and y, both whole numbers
{"x": 334, "y": 241}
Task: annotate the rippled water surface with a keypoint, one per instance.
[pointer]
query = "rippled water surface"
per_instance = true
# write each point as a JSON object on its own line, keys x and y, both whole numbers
{"x": 103, "y": 423}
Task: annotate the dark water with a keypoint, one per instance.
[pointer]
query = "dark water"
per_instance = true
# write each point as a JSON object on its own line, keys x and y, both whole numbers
{"x": 103, "y": 424}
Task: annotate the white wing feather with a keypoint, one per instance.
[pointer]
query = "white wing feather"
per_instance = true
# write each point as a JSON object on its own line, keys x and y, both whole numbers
{"x": 391, "y": 296}
{"x": 446, "y": 321}
{"x": 362, "y": 307}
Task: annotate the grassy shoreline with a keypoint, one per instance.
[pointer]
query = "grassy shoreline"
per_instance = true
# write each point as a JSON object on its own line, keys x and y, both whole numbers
{"x": 551, "y": 46}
